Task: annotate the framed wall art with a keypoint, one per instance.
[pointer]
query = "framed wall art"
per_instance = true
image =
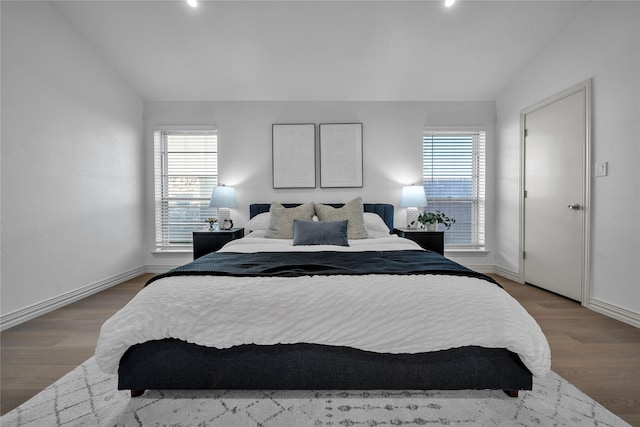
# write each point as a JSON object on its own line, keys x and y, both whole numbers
{"x": 340, "y": 155}
{"x": 294, "y": 155}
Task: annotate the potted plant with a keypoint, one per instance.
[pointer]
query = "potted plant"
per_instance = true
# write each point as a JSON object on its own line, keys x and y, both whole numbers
{"x": 429, "y": 220}
{"x": 213, "y": 223}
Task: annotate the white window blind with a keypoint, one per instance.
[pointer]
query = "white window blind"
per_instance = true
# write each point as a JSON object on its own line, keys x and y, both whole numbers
{"x": 186, "y": 170}
{"x": 453, "y": 172}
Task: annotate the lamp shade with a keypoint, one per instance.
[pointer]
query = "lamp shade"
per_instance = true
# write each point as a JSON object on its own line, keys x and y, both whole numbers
{"x": 223, "y": 197}
{"x": 413, "y": 197}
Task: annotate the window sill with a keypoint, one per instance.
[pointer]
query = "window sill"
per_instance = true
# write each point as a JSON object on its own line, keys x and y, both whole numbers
{"x": 467, "y": 251}
{"x": 172, "y": 251}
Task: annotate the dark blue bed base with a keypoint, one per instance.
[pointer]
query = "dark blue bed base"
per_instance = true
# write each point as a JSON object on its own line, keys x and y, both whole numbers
{"x": 174, "y": 364}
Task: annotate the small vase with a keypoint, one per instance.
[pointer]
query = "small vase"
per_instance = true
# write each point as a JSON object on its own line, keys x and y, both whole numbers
{"x": 432, "y": 227}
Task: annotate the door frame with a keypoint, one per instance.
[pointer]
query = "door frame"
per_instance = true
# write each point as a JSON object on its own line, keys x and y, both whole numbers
{"x": 585, "y": 86}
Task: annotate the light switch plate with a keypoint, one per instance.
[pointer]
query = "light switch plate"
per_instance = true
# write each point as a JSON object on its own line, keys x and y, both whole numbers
{"x": 602, "y": 168}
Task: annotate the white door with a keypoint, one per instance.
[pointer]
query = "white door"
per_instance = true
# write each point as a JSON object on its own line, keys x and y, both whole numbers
{"x": 555, "y": 184}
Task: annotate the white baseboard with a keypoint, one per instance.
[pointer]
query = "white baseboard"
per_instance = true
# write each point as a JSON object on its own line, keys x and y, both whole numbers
{"x": 484, "y": 269}
{"x": 494, "y": 269}
{"x": 16, "y": 317}
{"x": 507, "y": 274}
{"x": 615, "y": 312}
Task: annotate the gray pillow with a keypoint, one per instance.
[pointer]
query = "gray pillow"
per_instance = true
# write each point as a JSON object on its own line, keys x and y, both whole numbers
{"x": 320, "y": 233}
{"x": 281, "y": 221}
{"x": 352, "y": 212}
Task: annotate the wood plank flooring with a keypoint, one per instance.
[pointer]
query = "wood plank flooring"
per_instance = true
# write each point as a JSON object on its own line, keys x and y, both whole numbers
{"x": 599, "y": 355}
{"x": 36, "y": 353}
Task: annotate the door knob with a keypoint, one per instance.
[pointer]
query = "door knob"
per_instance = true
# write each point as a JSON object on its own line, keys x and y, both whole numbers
{"x": 573, "y": 206}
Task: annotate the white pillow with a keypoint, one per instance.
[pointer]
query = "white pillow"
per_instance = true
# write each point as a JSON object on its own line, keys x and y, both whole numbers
{"x": 258, "y": 222}
{"x": 375, "y": 225}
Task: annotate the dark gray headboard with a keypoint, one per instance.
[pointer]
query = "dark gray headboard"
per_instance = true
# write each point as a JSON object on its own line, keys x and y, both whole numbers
{"x": 383, "y": 209}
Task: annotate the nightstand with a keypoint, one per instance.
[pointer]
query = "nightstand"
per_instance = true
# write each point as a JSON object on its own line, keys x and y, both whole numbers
{"x": 205, "y": 242}
{"x": 430, "y": 240}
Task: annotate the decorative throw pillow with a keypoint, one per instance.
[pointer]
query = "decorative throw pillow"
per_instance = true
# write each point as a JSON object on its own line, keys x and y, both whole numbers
{"x": 352, "y": 211}
{"x": 320, "y": 233}
{"x": 281, "y": 222}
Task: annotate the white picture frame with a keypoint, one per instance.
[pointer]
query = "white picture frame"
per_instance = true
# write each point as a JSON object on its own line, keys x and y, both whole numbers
{"x": 294, "y": 155}
{"x": 341, "y": 155}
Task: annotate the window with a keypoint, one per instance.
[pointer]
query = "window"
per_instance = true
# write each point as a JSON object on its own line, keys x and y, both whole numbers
{"x": 186, "y": 170}
{"x": 453, "y": 175}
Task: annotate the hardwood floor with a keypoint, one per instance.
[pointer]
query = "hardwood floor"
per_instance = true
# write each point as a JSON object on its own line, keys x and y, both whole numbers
{"x": 36, "y": 353}
{"x": 599, "y": 355}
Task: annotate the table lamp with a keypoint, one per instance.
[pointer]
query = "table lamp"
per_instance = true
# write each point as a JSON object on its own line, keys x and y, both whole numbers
{"x": 413, "y": 197}
{"x": 223, "y": 198}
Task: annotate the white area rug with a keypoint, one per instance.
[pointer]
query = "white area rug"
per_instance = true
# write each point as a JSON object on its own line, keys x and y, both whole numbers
{"x": 87, "y": 397}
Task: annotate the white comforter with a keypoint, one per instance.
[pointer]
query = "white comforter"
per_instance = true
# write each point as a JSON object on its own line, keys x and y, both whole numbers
{"x": 379, "y": 313}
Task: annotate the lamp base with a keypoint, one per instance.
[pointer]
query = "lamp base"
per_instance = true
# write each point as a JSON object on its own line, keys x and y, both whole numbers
{"x": 412, "y": 217}
{"x": 223, "y": 214}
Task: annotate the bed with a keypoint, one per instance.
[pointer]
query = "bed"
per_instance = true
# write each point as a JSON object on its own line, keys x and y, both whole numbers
{"x": 262, "y": 313}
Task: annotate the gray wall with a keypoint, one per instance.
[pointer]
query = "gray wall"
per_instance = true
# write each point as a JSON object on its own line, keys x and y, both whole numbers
{"x": 603, "y": 43}
{"x": 72, "y": 181}
{"x": 392, "y": 144}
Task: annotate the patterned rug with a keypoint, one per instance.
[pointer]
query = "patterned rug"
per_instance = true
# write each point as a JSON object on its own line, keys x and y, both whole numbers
{"x": 87, "y": 397}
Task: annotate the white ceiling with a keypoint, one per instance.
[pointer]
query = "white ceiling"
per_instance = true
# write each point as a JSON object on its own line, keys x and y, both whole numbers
{"x": 318, "y": 50}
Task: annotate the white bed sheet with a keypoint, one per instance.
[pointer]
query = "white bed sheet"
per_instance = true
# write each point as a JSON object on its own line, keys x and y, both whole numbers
{"x": 256, "y": 242}
{"x": 379, "y": 313}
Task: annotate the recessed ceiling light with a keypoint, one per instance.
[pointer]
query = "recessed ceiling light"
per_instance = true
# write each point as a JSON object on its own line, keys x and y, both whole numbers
{"x": 193, "y": 3}
{"x": 449, "y": 3}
